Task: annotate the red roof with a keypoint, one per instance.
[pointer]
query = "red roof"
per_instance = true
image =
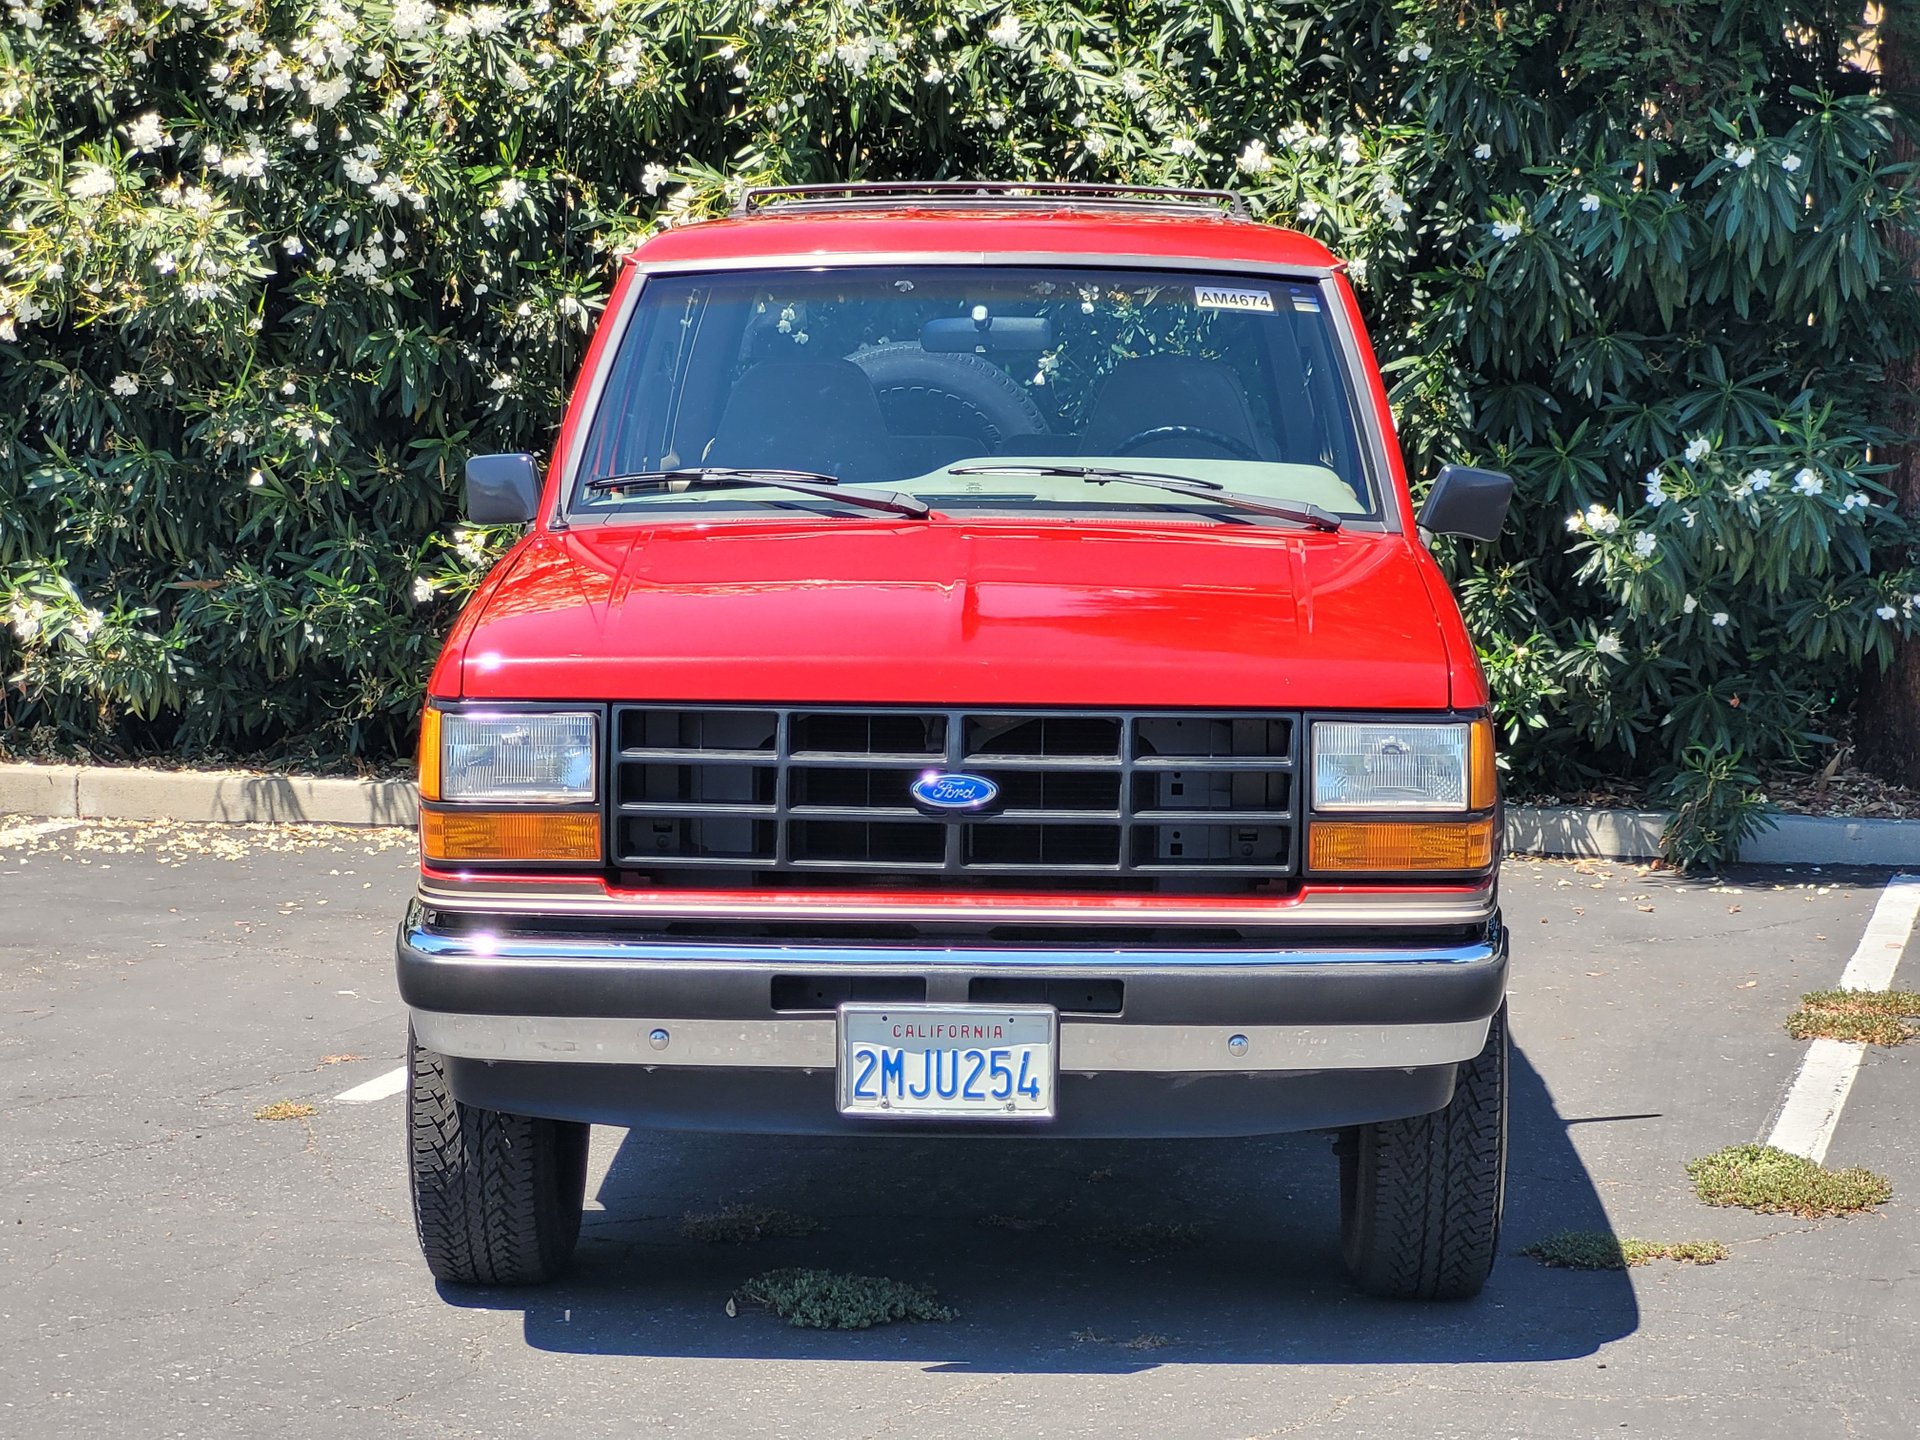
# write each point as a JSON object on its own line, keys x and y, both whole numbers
{"x": 909, "y": 230}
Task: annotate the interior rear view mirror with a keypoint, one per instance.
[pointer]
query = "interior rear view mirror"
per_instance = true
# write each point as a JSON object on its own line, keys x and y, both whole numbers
{"x": 1466, "y": 501}
{"x": 502, "y": 489}
{"x": 960, "y": 335}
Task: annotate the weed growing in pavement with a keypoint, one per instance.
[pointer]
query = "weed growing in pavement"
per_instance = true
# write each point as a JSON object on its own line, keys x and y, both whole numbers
{"x": 284, "y": 1110}
{"x": 1018, "y": 1224}
{"x": 1773, "y": 1182}
{"x": 739, "y": 1224}
{"x": 1597, "y": 1250}
{"x": 824, "y": 1300}
{"x": 1872, "y": 1017}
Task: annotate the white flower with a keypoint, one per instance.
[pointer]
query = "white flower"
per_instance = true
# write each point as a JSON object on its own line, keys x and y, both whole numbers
{"x": 1590, "y": 202}
{"x": 292, "y": 245}
{"x": 164, "y": 263}
{"x": 27, "y": 616}
{"x": 1254, "y": 160}
{"x": 1808, "y": 482}
{"x": 1576, "y": 522}
{"x": 1393, "y": 205}
{"x": 1349, "y": 150}
{"x": 412, "y": 19}
{"x": 1644, "y": 544}
{"x": 1181, "y": 145}
{"x": 1689, "y": 605}
{"x": 488, "y": 19}
{"x": 1743, "y": 157}
{"x": 255, "y": 479}
{"x": 90, "y": 181}
{"x": 1698, "y": 449}
{"x": 653, "y": 177}
{"x": 1754, "y": 481}
{"x": 125, "y": 384}
{"x": 1006, "y": 30}
{"x": 1656, "y": 492}
{"x": 1789, "y": 163}
{"x": 1311, "y": 210}
{"x": 1885, "y": 612}
{"x": 147, "y": 133}
{"x": 166, "y": 378}
{"x": 1506, "y": 231}
{"x": 1423, "y": 52}
{"x": 1855, "y": 501}
{"x": 422, "y": 589}
{"x": 571, "y": 37}
{"x": 512, "y": 192}
{"x": 1720, "y": 617}
{"x": 1483, "y": 151}
{"x": 1608, "y": 644}
{"x": 1598, "y": 519}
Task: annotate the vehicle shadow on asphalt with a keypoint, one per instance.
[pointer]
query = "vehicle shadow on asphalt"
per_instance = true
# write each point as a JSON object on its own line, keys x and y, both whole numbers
{"x": 1061, "y": 1256}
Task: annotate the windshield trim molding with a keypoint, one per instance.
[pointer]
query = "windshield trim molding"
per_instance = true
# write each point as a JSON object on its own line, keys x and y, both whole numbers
{"x": 1372, "y": 443}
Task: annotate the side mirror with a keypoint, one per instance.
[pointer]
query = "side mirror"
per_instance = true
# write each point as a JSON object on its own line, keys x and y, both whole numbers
{"x": 502, "y": 489}
{"x": 1469, "y": 502}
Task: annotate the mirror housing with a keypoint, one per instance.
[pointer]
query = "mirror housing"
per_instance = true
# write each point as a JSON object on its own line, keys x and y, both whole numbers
{"x": 1466, "y": 501}
{"x": 502, "y": 489}
{"x": 959, "y": 335}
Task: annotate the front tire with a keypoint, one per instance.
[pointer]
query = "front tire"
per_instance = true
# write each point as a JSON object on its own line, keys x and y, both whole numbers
{"x": 496, "y": 1197}
{"x": 1420, "y": 1199}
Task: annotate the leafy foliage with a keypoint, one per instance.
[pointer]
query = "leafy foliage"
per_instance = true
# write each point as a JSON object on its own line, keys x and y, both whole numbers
{"x": 829, "y": 1300}
{"x": 1774, "y": 1182}
{"x": 271, "y": 268}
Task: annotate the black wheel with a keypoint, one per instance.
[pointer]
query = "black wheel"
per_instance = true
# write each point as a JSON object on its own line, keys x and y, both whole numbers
{"x": 1219, "y": 439}
{"x": 936, "y": 394}
{"x": 1420, "y": 1199}
{"x": 496, "y": 1197}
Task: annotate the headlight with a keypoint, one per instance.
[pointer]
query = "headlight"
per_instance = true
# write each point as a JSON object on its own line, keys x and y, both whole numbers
{"x": 1402, "y": 767}
{"x": 532, "y": 757}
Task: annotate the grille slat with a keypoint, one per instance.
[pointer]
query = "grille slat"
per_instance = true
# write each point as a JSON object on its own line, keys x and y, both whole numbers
{"x": 1095, "y": 800}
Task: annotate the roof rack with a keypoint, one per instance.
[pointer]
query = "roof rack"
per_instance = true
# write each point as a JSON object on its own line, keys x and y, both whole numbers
{"x": 995, "y": 194}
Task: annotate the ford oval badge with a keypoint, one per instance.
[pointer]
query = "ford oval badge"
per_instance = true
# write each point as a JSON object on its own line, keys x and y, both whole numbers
{"x": 938, "y": 790}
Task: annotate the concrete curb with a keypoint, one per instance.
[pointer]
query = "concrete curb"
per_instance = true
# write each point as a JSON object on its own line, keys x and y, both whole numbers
{"x": 1793, "y": 840}
{"x": 98, "y": 792}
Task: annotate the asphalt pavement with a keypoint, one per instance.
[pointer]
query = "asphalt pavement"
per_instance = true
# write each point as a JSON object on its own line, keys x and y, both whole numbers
{"x": 172, "y": 1266}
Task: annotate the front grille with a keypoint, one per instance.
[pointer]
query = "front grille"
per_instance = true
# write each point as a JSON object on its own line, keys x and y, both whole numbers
{"x": 1151, "y": 800}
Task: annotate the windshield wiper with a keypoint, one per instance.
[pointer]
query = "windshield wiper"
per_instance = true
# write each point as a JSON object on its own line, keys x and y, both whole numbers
{"x": 726, "y": 477}
{"x": 1301, "y": 512}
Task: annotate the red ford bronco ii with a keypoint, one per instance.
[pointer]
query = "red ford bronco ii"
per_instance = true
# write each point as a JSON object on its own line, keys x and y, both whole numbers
{"x": 974, "y": 669}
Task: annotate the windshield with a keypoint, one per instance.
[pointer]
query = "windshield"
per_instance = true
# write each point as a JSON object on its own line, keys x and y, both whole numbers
{"x": 1011, "y": 389}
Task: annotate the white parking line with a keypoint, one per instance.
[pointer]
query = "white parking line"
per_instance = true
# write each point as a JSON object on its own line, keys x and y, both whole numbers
{"x": 378, "y": 1088}
{"x": 1819, "y": 1092}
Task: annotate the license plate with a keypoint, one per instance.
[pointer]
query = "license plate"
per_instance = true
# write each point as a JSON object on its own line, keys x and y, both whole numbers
{"x": 992, "y": 1062}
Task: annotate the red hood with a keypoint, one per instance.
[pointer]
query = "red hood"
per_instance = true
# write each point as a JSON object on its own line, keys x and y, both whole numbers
{"x": 978, "y": 612}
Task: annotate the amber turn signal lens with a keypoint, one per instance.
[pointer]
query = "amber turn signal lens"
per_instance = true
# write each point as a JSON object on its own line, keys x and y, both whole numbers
{"x": 509, "y": 835}
{"x": 430, "y": 754}
{"x": 1483, "y": 779}
{"x": 1393, "y": 846}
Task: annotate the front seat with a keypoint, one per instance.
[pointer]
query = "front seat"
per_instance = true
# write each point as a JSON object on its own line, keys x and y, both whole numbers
{"x": 1161, "y": 390}
{"x": 802, "y": 415}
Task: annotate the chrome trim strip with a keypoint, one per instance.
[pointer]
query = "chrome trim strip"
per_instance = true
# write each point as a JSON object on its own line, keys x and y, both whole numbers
{"x": 564, "y": 953}
{"x": 808, "y": 1043}
{"x": 1474, "y": 907}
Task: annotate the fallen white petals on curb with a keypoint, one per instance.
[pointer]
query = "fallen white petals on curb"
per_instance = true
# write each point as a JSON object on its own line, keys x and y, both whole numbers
{"x": 1819, "y": 1091}
{"x": 378, "y": 1088}
{"x": 19, "y": 832}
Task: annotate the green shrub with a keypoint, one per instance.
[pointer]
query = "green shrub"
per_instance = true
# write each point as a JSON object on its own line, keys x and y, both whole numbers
{"x": 271, "y": 270}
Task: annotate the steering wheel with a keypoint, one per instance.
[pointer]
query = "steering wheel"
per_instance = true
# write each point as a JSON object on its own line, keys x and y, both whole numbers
{"x": 1231, "y": 444}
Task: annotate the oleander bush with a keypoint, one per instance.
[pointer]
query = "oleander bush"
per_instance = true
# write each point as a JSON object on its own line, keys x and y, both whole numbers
{"x": 269, "y": 271}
